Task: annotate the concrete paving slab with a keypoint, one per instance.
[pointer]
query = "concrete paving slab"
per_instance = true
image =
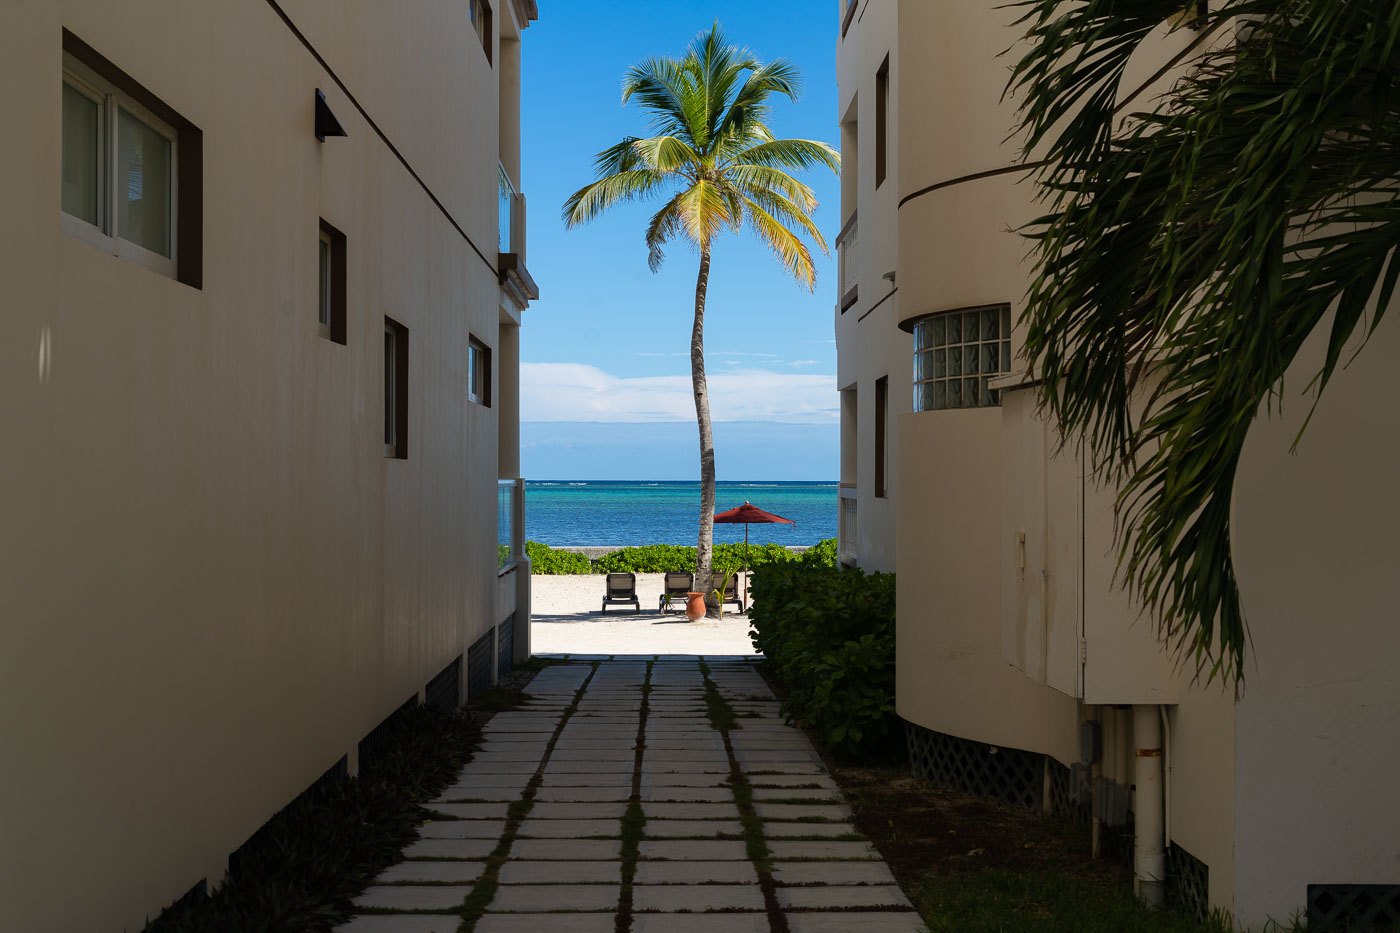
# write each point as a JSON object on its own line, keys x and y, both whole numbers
{"x": 551, "y": 923}
{"x": 690, "y": 811}
{"x": 692, "y": 829}
{"x": 789, "y": 873}
{"x": 405, "y": 923}
{"x": 795, "y": 793}
{"x": 687, "y": 794}
{"x": 567, "y": 794}
{"x": 783, "y": 850}
{"x": 801, "y": 811}
{"x": 414, "y": 897}
{"x": 478, "y": 794}
{"x": 588, "y": 850}
{"x": 799, "y": 830}
{"x": 437, "y": 872}
{"x": 615, "y": 779}
{"x": 873, "y": 922}
{"x": 839, "y": 895}
{"x": 696, "y": 897}
{"x": 699, "y": 850}
{"x": 696, "y": 872}
{"x": 543, "y": 898}
{"x": 450, "y": 848}
{"x": 473, "y": 811}
{"x": 578, "y": 811}
{"x": 523, "y": 872}
{"x": 568, "y": 829}
{"x": 462, "y": 829}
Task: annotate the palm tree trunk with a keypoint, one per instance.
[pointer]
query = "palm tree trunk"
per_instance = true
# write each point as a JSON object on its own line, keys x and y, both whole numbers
{"x": 704, "y": 547}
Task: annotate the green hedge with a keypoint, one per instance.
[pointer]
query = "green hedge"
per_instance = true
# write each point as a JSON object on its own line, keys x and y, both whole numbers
{"x": 829, "y": 636}
{"x": 673, "y": 558}
{"x": 545, "y": 559}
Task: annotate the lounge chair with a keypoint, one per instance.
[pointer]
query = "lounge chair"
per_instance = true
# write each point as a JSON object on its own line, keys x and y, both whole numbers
{"x": 621, "y": 588}
{"x": 675, "y": 586}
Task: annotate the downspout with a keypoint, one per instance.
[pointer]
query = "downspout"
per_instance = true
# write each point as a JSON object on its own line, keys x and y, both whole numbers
{"x": 1166, "y": 777}
{"x": 1149, "y": 857}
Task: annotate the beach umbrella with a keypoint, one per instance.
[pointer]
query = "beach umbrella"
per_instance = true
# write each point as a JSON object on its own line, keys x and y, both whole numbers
{"x": 749, "y": 515}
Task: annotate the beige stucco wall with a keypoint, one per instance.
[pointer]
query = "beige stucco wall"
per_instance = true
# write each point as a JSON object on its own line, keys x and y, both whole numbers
{"x": 871, "y": 345}
{"x": 1316, "y": 554}
{"x": 214, "y": 583}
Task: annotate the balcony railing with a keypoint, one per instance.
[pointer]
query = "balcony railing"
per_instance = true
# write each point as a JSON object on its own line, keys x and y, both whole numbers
{"x": 508, "y": 199}
{"x": 510, "y": 522}
{"x": 846, "y": 541}
{"x": 848, "y": 250}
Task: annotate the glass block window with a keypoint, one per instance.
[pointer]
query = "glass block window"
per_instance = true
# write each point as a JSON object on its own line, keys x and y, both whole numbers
{"x": 956, "y": 355}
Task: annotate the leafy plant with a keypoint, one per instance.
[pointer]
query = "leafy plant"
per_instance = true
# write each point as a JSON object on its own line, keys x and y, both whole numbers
{"x": 545, "y": 559}
{"x": 829, "y": 636}
{"x": 1187, "y": 253}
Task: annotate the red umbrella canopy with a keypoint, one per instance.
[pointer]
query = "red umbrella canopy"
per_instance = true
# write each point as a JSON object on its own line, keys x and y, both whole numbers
{"x": 750, "y": 515}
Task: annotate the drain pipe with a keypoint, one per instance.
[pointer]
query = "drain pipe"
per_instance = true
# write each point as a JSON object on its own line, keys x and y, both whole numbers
{"x": 1149, "y": 857}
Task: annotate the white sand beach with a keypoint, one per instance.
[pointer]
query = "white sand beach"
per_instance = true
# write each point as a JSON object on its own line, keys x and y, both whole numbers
{"x": 567, "y": 620}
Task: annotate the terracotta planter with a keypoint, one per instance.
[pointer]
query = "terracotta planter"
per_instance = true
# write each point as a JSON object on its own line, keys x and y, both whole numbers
{"x": 694, "y": 606}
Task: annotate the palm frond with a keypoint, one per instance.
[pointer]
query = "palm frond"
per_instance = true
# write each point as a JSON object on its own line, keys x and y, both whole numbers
{"x": 795, "y": 154}
{"x": 1183, "y": 262}
{"x": 787, "y": 247}
{"x": 591, "y": 200}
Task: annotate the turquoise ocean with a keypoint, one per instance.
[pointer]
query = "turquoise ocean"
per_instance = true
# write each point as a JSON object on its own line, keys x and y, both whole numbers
{"x": 561, "y": 513}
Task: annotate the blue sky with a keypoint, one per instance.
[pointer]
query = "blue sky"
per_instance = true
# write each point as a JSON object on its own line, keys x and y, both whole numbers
{"x": 608, "y": 341}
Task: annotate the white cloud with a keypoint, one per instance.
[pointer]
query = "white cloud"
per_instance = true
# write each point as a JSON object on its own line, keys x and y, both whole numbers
{"x": 579, "y": 392}
{"x": 803, "y": 363}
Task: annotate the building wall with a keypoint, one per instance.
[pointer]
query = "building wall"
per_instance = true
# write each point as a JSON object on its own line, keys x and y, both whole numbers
{"x": 1316, "y": 554}
{"x": 215, "y": 583}
{"x": 870, "y": 345}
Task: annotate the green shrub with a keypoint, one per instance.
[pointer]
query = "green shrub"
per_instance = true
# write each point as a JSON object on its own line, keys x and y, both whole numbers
{"x": 649, "y": 558}
{"x": 829, "y": 636}
{"x": 545, "y": 559}
{"x": 821, "y": 554}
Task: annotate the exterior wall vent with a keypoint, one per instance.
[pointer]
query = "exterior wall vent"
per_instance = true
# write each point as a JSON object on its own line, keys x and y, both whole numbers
{"x": 445, "y": 690}
{"x": 372, "y": 746}
{"x": 1354, "y": 908}
{"x": 1188, "y": 883}
{"x": 505, "y": 645}
{"x": 1009, "y": 774}
{"x": 479, "y": 658}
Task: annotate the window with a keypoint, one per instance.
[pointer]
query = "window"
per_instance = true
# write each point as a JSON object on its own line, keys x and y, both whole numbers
{"x": 479, "y": 372}
{"x": 956, "y": 354}
{"x": 395, "y": 390}
{"x": 130, "y": 168}
{"x": 882, "y": 105}
{"x": 479, "y": 12}
{"x": 330, "y": 298}
{"x": 882, "y": 398}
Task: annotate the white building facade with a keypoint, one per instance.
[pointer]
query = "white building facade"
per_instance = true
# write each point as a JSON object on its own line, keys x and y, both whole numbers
{"x": 263, "y": 276}
{"x": 1011, "y": 634}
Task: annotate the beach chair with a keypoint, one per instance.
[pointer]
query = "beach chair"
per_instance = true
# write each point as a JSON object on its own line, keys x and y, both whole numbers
{"x": 675, "y": 586}
{"x": 621, "y": 588}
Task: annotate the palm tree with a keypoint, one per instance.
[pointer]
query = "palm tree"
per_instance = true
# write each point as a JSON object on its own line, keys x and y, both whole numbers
{"x": 714, "y": 154}
{"x": 1184, "y": 258}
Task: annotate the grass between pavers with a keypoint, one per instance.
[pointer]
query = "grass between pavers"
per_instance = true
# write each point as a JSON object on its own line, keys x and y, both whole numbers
{"x": 634, "y": 820}
{"x": 303, "y": 867}
{"x": 721, "y": 716}
{"x": 484, "y": 890}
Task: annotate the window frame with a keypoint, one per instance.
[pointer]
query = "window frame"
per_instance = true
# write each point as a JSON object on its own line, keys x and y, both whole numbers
{"x": 882, "y": 413}
{"x": 987, "y": 396}
{"x": 482, "y": 352}
{"x": 395, "y": 390}
{"x": 331, "y": 285}
{"x": 482, "y": 26}
{"x": 882, "y": 124}
{"x": 112, "y": 100}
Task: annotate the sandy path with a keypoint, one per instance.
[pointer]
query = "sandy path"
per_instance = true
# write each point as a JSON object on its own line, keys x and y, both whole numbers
{"x": 567, "y": 620}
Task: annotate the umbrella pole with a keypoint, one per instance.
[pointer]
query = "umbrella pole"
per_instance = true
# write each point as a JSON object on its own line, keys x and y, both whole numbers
{"x": 746, "y": 563}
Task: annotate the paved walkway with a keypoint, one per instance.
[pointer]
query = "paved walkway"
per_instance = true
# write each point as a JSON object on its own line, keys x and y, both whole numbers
{"x": 612, "y": 803}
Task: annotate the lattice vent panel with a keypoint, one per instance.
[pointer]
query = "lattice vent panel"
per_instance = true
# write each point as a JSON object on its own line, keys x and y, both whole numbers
{"x": 1188, "y": 883}
{"x": 1070, "y": 797}
{"x": 445, "y": 690}
{"x": 1353, "y": 908}
{"x": 479, "y": 658}
{"x": 373, "y": 745}
{"x": 505, "y": 645}
{"x": 1008, "y": 774}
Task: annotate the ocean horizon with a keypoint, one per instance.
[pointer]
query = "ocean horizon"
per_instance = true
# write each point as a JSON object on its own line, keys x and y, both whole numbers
{"x": 607, "y": 513}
